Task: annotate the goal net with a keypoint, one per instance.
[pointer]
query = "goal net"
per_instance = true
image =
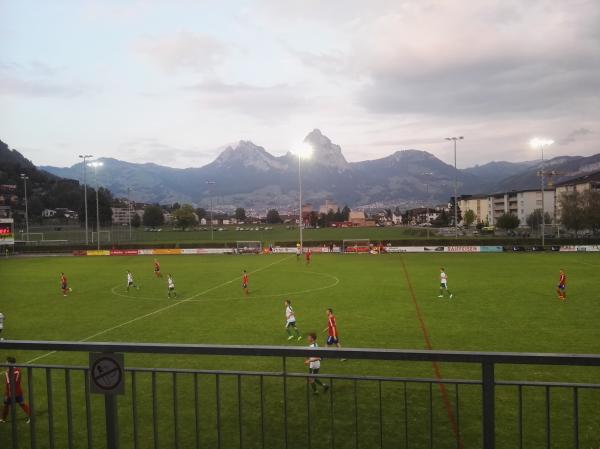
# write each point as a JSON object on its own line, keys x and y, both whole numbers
{"x": 104, "y": 236}
{"x": 356, "y": 246}
{"x": 248, "y": 247}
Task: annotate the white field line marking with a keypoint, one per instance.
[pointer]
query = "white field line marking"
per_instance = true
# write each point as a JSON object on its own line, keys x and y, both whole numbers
{"x": 162, "y": 309}
{"x": 335, "y": 279}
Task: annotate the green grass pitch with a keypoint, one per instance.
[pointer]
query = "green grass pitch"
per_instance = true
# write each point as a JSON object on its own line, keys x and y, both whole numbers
{"x": 503, "y": 302}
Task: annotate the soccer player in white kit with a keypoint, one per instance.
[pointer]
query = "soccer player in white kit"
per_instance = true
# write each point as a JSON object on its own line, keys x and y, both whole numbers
{"x": 171, "y": 286}
{"x": 290, "y": 322}
{"x": 314, "y": 365}
{"x": 444, "y": 284}
{"x": 130, "y": 282}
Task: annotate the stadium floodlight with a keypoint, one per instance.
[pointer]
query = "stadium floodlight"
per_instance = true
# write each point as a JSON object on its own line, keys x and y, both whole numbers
{"x": 24, "y": 177}
{"x": 302, "y": 151}
{"x": 95, "y": 165}
{"x": 454, "y": 139}
{"x": 85, "y": 157}
{"x": 540, "y": 143}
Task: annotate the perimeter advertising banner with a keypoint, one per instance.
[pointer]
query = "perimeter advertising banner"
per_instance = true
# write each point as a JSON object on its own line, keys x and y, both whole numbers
{"x": 462, "y": 249}
{"x": 7, "y": 236}
{"x": 163, "y": 252}
{"x": 98, "y": 252}
{"x": 123, "y": 252}
{"x": 580, "y": 248}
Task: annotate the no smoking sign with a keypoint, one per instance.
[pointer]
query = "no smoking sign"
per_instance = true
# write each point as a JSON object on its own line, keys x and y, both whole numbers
{"x": 107, "y": 373}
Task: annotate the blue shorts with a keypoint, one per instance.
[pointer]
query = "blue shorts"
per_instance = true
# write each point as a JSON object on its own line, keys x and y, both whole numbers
{"x": 244, "y": 285}
{"x": 8, "y": 400}
{"x": 561, "y": 287}
{"x": 332, "y": 340}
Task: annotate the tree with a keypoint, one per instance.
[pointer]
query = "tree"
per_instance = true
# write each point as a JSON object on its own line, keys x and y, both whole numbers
{"x": 184, "y": 216}
{"x": 136, "y": 221}
{"x": 469, "y": 218}
{"x": 591, "y": 201}
{"x": 441, "y": 220}
{"x": 451, "y": 212}
{"x": 201, "y": 212}
{"x": 572, "y": 215}
{"x": 313, "y": 219}
{"x": 153, "y": 216}
{"x": 273, "y": 216}
{"x": 345, "y": 213}
{"x": 240, "y": 214}
{"x": 507, "y": 221}
{"x": 534, "y": 220}
{"x": 175, "y": 206}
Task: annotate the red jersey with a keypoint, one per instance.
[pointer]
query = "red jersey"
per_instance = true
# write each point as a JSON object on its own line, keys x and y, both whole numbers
{"x": 156, "y": 266}
{"x": 63, "y": 280}
{"x": 332, "y": 327}
{"x": 17, "y": 377}
{"x": 563, "y": 279}
{"x": 245, "y": 279}
{"x": 308, "y": 254}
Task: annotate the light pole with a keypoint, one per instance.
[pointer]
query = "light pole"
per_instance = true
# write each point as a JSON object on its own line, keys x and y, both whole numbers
{"x": 212, "y": 232}
{"x": 541, "y": 143}
{"x": 24, "y": 177}
{"x": 129, "y": 209}
{"x": 85, "y": 157}
{"x": 427, "y": 201}
{"x": 95, "y": 165}
{"x": 454, "y": 139}
{"x": 303, "y": 151}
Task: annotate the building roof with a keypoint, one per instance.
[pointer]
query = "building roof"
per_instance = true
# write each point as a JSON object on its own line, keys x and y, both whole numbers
{"x": 590, "y": 177}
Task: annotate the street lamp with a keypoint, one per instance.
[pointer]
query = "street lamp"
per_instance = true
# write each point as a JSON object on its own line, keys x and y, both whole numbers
{"x": 212, "y": 232}
{"x": 541, "y": 143}
{"x": 454, "y": 139}
{"x": 24, "y": 177}
{"x": 85, "y": 157}
{"x": 95, "y": 166}
{"x": 302, "y": 151}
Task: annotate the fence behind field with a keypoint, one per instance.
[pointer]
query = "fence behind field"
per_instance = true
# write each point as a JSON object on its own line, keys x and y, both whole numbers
{"x": 186, "y": 408}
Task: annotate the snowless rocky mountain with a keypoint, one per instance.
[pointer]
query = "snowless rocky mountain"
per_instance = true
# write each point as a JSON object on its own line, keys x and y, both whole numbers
{"x": 247, "y": 175}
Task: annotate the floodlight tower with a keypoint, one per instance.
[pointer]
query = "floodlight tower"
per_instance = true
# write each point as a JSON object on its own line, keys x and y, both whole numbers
{"x": 211, "y": 183}
{"x": 454, "y": 139}
{"x": 24, "y": 177}
{"x": 95, "y": 166}
{"x": 541, "y": 143}
{"x": 302, "y": 151}
{"x": 85, "y": 157}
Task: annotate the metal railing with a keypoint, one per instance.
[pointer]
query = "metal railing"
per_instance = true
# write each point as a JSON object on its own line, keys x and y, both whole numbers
{"x": 276, "y": 408}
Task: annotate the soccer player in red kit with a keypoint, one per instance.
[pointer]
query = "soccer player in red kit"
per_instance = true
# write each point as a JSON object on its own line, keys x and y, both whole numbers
{"x": 333, "y": 337}
{"x": 245, "y": 282}
{"x": 16, "y": 389}
{"x": 63, "y": 284}
{"x": 308, "y": 255}
{"x": 562, "y": 286}
{"x": 157, "y": 272}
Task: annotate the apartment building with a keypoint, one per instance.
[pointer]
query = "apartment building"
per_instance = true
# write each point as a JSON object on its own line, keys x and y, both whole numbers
{"x": 477, "y": 203}
{"x": 521, "y": 203}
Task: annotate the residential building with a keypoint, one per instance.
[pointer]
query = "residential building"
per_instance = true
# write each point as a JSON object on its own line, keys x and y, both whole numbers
{"x": 357, "y": 218}
{"x": 477, "y": 203}
{"x": 122, "y": 215}
{"x": 329, "y": 205}
{"x": 521, "y": 203}
{"x": 579, "y": 184}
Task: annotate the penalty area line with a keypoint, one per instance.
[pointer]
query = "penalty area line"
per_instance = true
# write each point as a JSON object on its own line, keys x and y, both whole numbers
{"x": 436, "y": 367}
{"x": 157, "y": 311}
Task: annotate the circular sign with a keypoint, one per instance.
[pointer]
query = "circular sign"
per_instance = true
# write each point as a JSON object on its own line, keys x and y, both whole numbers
{"x": 106, "y": 373}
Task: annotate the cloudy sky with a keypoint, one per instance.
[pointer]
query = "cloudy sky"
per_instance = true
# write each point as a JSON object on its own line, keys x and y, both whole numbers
{"x": 172, "y": 82}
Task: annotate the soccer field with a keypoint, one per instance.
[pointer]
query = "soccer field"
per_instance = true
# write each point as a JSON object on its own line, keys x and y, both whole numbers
{"x": 502, "y": 302}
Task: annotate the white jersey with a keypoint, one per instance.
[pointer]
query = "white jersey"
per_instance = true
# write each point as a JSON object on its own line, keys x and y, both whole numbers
{"x": 171, "y": 283}
{"x": 443, "y": 278}
{"x": 289, "y": 315}
{"x": 298, "y": 252}
{"x": 129, "y": 278}
{"x": 1, "y": 321}
{"x": 315, "y": 362}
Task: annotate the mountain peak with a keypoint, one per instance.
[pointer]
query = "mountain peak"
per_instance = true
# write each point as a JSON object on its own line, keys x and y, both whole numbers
{"x": 246, "y": 154}
{"x": 325, "y": 151}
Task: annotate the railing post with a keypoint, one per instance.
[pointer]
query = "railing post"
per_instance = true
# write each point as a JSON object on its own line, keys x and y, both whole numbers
{"x": 112, "y": 421}
{"x": 488, "y": 399}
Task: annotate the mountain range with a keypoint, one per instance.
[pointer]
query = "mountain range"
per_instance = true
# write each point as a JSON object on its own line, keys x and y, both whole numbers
{"x": 247, "y": 175}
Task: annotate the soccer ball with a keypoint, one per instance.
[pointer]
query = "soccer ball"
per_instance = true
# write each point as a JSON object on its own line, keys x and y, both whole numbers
{"x": 70, "y": 289}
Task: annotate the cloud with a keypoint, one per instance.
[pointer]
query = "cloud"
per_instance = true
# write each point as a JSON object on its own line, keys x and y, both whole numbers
{"x": 574, "y": 136}
{"x": 151, "y": 149}
{"x": 270, "y": 102}
{"x": 183, "y": 51}
{"x": 10, "y": 86}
